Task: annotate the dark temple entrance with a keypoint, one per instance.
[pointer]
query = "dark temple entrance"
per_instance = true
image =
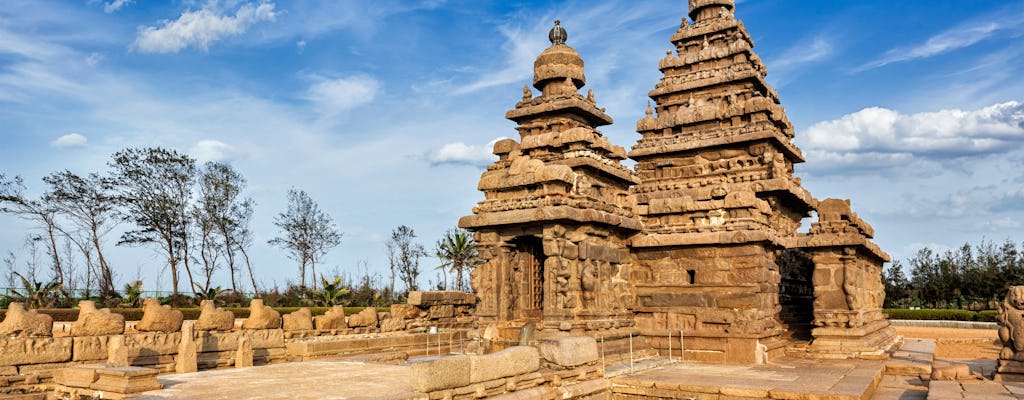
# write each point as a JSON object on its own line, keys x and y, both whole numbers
{"x": 796, "y": 294}
{"x": 528, "y": 278}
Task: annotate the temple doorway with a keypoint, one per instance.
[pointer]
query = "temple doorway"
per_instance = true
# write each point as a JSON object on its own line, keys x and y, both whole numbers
{"x": 796, "y": 294}
{"x": 528, "y": 278}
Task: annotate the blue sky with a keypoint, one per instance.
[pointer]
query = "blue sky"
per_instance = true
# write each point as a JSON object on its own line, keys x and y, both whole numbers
{"x": 383, "y": 111}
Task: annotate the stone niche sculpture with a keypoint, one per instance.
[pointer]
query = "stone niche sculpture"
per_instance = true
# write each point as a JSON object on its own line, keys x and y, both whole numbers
{"x": 158, "y": 318}
{"x": 332, "y": 320}
{"x": 300, "y": 320}
{"x": 213, "y": 318}
{"x": 96, "y": 322}
{"x": 25, "y": 323}
{"x": 261, "y": 316}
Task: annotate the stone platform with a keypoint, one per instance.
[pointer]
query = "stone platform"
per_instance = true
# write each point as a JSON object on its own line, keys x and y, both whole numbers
{"x": 786, "y": 378}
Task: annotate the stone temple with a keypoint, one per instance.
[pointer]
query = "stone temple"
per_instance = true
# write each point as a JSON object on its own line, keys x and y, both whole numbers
{"x": 700, "y": 239}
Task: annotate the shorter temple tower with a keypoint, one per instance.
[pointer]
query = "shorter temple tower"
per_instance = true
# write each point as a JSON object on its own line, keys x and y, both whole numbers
{"x": 553, "y": 226}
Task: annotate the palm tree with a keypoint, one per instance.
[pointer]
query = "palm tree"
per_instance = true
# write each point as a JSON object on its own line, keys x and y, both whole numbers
{"x": 36, "y": 294}
{"x": 332, "y": 291}
{"x": 457, "y": 252}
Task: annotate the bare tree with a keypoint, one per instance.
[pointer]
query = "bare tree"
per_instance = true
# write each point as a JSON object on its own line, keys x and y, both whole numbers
{"x": 89, "y": 204}
{"x": 14, "y": 201}
{"x": 404, "y": 257}
{"x": 228, "y": 214}
{"x": 155, "y": 185}
{"x": 308, "y": 232}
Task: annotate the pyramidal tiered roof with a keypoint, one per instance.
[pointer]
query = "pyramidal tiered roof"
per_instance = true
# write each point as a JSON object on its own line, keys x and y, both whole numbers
{"x": 716, "y": 154}
{"x": 562, "y": 165}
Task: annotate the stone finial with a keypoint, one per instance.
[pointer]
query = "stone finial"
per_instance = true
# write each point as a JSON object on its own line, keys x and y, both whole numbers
{"x": 25, "y": 323}
{"x": 527, "y": 93}
{"x": 701, "y": 10}
{"x": 558, "y": 35}
{"x": 649, "y": 112}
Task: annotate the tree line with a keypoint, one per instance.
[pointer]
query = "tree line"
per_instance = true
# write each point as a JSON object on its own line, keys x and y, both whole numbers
{"x": 198, "y": 219}
{"x": 973, "y": 277}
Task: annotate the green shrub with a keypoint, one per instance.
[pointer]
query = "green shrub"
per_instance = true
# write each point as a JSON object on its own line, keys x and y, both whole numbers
{"x": 943, "y": 315}
{"x": 987, "y": 316}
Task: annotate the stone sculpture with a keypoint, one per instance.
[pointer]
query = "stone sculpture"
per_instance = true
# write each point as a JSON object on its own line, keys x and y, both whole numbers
{"x": 25, "y": 323}
{"x": 158, "y": 318}
{"x": 300, "y": 320}
{"x": 261, "y": 316}
{"x": 93, "y": 322}
{"x": 333, "y": 319}
{"x": 365, "y": 318}
{"x": 1011, "y": 324}
{"x": 213, "y": 318}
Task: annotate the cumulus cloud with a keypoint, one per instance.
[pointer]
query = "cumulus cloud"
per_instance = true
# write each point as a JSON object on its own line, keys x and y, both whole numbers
{"x": 879, "y": 134}
{"x": 213, "y": 150}
{"x": 115, "y": 5}
{"x": 70, "y": 140}
{"x": 332, "y": 96}
{"x": 201, "y": 28}
{"x": 465, "y": 154}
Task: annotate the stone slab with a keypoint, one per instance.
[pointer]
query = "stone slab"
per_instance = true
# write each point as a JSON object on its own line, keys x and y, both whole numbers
{"x": 228, "y": 341}
{"x": 426, "y": 299}
{"x": 23, "y": 351}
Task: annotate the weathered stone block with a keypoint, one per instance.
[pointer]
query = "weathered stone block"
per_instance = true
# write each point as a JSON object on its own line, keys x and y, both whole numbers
{"x": 228, "y": 341}
{"x": 89, "y": 348}
{"x": 443, "y": 373}
{"x": 405, "y": 311}
{"x": 392, "y": 325}
{"x": 441, "y": 311}
{"x": 569, "y": 351}
{"x": 77, "y": 376}
{"x": 365, "y": 318}
{"x": 22, "y": 351}
{"x": 512, "y": 361}
{"x": 425, "y": 299}
{"x": 125, "y": 380}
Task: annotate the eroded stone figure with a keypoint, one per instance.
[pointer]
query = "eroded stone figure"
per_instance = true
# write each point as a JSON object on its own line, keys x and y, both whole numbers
{"x": 158, "y": 318}
{"x": 213, "y": 318}
{"x": 25, "y": 323}
{"x": 93, "y": 322}
{"x": 1011, "y": 324}
{"x": 261, "y": 316}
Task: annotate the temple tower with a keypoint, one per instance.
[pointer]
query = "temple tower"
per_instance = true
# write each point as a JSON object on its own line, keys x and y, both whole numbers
{"x": 718, "y": 199}
{"x": 556, "y": 217}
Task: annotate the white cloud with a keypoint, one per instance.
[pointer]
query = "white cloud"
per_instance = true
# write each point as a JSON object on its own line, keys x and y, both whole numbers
{"x": 70, "y": 140}
{"x": 465, "y": 154}
{"x": 93, "y": 59}
{"x": 300, "y": 46}
{"x": 201, "y": 28}
{"x": 333, "y": 96}
{"x": 115, "y": 5}
{"x": 880, "y": 132}
{"x": 943, "y": 42}
{"x": 817, "y": 49}
{"x": 213, "y": 150}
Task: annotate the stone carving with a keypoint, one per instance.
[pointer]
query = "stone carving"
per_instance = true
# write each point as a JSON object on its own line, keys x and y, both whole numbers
{"x": 187, "y": 359}
{"x": 244, "y": 354}
{"x": 157, "y": 318}
{"x": 365, "y": 318}
{"x": 1011, "y": 324}
{"x": 19, "y": 322}
{"x": 213, "y": 318}
{"x": 333, "y": 319}
{"x": 261, "y": 316}
{"x": 392, "y": 325}
{"x": 300, "y": 320}
{"x": 93, "y": 322}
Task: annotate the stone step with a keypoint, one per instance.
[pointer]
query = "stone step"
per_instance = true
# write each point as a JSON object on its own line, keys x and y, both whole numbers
{"x": 915, "y": 358}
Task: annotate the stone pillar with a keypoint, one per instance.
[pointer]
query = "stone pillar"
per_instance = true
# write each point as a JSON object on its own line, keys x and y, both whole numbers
{"x": 117, "y": 352}
{"x": 244, "y": 354}
{"x": 187, "y": 359}
{"x": 1011, "y": 332}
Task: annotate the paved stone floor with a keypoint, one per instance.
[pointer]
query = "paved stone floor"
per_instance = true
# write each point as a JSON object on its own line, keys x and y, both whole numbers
{"x": 329, "y": 379}
{"x": 784, "y": 379}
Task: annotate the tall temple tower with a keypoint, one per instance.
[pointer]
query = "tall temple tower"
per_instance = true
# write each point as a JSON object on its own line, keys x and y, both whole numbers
{"x": 717, "y": 195}
{"x": 555, "y": 220}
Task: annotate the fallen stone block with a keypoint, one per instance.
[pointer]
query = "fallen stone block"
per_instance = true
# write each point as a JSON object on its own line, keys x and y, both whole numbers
{"x": 569, "y": 351}
{"x": 512, "y": 361}
{"x": 444, "y": 373}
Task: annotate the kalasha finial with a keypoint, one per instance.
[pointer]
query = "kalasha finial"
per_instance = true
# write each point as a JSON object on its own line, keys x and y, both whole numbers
{"x": 558, "y": 34}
